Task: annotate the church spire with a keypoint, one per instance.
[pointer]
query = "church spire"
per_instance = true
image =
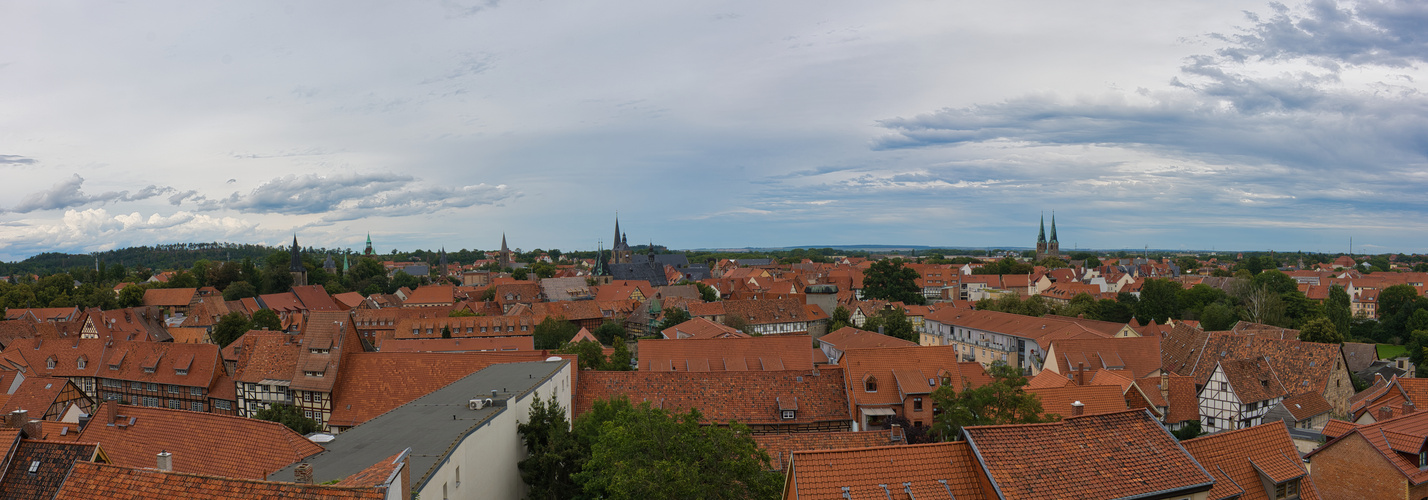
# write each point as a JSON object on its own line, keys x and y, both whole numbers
{"x": 1053, "y": 227}
{"x": 1041, "y": 237}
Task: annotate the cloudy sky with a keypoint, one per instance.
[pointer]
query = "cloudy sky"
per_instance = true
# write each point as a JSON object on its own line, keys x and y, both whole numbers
{"x": 1197, "y": 125}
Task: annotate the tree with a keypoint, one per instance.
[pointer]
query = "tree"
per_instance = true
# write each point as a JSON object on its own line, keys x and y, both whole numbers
{"x": 672, "y": 316}
{"x": 1159, "y": 301}
{"x": 1002, "y": 401}
{"x": 894, "y": 323}
{"x": 841, "y": 318}
{"x": 1418, "y": 347}
{"x": 446, "y": 331}
{"x": 1336, "y": 307}
{"x": 590, "y": 354}
{"x": 888, "y": 279}
{"x": 645, "y": 452}
{"x": 620, "y": 359}
{"x": 706, "y": 292}
{"x": 553, "y": 453}
{"x": 1395, "y": 299}
{"x": 608, "y": 331}
{"x": 288, "y": 415}
{"x": 266, "y": 319}
{"x": 737, "y": 322}
{"x": 229, "y": 328}
{"x": 238, "y": 290}
{"x": 520, "y": 273}
{"x": 402, "y": 279}
{"x": 460, "y": 313}
{"x": 1321, "y": 330}
{"x": 553, "y": 333}
{"x": 130, "y": 296}
{"x": 1217, "y": 317}
{"x": 1191, "y": 430}
{"x": 1275, "y": 281}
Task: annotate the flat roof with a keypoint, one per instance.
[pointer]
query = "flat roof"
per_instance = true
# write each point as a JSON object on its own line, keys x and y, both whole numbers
{"x": 431, "y": 425}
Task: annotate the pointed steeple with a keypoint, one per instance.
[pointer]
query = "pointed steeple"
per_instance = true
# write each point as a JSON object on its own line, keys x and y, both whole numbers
{"x": 503, "y": 243}
{"x": 617, "y": 231}
{"x": 297, "y": 258}
{"x": 1053, "y": 227}
{"x": 1041, "y": 237}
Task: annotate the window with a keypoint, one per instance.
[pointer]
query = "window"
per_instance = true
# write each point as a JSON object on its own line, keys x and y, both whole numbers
{"x": 1224, "y": 386}
{"x": 223, "y": 405}
{"x": 195, "y": 391}
{"x": 788, "y": 415}
{"x": 111, "y": 396}
{"x": 1289, "y": 489}
{"x": 151, "y": 401}
{"x": 173, "y": 389}
{"x": 870, "y": 384}
{"x": 180, "y": 372}
{"x": 136, "y": 386}
{"x": 195, "y": 406}
{"x": 175, "y": 404}
{"x": 82, "y": 363}
{"x": 1423, "y": 458}
{"x": 458, "y": 476}
{"x": 1209, "y": 421}
{"x": 916, "y": 404}
{"x": 154, "y": 387}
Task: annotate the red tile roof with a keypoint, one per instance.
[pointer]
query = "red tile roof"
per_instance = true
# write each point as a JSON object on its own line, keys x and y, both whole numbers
{"x": 1139, "y": 355}
{"x": 431, "y": 294}
{"x": 475, "y": 344}
{"x": 752, "y": 398}
{"x": 1392, "y": 438}
{"x": 1307, "y": 405}
{"x": 1096, "y": 398}
{"x": 38, "y": 468}
{"x": 264, "y": 355}
{"x": 852, "y": 338}
{"x": 201, "y": 443}
{"x": 899, "y": 371}
{"x": 760, "y": 312}
{"x": 91, "y": 480}
{"x": 169, "y": 297}
{"x": 1237, "y": 458}
{"x": 701, "y": 328}
{"x": 781, "y": 446}
{"x": 939, "y": 470}
{"x": 1112, "y": 455}
{"x": 315, "y": 298}
{"x": 37, "y": 394}
{"x": 770, "y": 352}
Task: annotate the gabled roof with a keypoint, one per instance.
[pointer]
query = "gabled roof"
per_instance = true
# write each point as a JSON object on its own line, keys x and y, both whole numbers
{"x": 781, "y": 446}
{"x": 900, "y": 371}
{"x": 1390, "y": 437}
{"x": 1096, "y": 398}
{"x": 852, "y": 338}
{"x": 264, "y": 355}
{"x": 35, "y": 395}
{"x": 1239, "y": 458}
{"x": 751, "y": 397}
{"x": 1252, "y": 379}
{"x": 432, "y": 294}
{"x": 315, "y": 298}
{"x": 201, "y": 443}
{"x": 91, "y": 480}
{"x": 940, "y": 470}
{"x": 1042, "y": 330}
{"x": 169, "y": 297}
{"x": 1300, "y": 366}
{"x": 476, "y": 344}
{"x": 1114, "y": 455}
{"x": 769, "y": 352}
{"x": 1139, "y": 355}
{"x": 768, "y": 311}
{"x": 700, "y": 328}
{"x": 1307, "y": 405}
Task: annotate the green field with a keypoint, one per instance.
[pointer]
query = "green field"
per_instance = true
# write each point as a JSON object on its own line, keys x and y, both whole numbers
{"x": 1390, "y": 351}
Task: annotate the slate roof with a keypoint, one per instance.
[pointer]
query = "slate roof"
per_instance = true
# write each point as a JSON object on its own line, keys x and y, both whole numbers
{"x": 750, "y": 397}
{"x": 641, "y": 270}
{"x": 52, "y": 462}
{"x": 374, "y": 383}
{"x": 1113, "y": 455}
{"x": 201, "y": 443}
{"x": 90, "y": 480}
{"x": 1237, "y": 458}
{"x": 769, "y": 352}
{"x": 923, "y": 471}
{"x": 852, "y": 338}
{"x": 781, "y": 446}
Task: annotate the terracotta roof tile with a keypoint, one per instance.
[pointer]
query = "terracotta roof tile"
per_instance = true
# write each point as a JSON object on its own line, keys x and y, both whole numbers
{"x": 701, "y": 328}
{"x": 264, "y": 355}
{"x": 315, "y": 298}
{"x": 852, "y": 338}
{"x": 36, "y": 395}
{"x": 472, "y": 344}
{"x": 939, "y": 470}
{"x": 1140, "y": 355}
{"x": 201, "y": 443}
{"x": 1307, "y": 405}
{"x": 1242, "y": 455}
{"x": 1096, "y": 398}
{"x": 882, "y": 364}
{"x": 38, "y": 468}
{"x": 751, "y": 398}
{"x": 1252, "y": 379}
{"x": 169, "y": 297}
{"x": 1113, "y": 455}
{"x": 1393, "y": 438}
{"x": 90, "y": 480}
{"x": 1335, "y": 428}
{"x": 781, "y": 446}
{"x": 778, "y": 352}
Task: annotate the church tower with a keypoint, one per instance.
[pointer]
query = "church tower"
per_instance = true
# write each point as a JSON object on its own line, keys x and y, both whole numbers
{"x": 298, "y": 270}
{"x": 1041, "y": 240}
{"x": 369, "y": 252}
{"x": 620, "y": 251}
{"x": 504, "y": 257}
{"x": 442, "y": 263}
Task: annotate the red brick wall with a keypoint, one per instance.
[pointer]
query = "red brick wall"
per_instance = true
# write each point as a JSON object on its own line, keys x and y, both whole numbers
{"x": 1352, "y": 468}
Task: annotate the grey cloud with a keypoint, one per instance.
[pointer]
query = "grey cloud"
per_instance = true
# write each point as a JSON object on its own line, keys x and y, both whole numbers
{"x": 467, "y": 64}
{"x": 1388, "y": 33}
{"x": 313, "y": 193}
{"x": 423, "y": 200}
{"x": 457, "y": 8}
{"x": 15, "y": 160}
{"x": 68, "y": 194}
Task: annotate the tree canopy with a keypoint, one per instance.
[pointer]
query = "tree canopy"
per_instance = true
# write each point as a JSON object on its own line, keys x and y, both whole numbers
{"x": 1002, "y": 401}
{"x": 289, "y": 416}
{"x": 889, "y": 279}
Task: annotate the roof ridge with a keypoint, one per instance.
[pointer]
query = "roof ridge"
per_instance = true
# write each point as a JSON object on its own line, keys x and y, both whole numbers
{"x": 224, "y": 478}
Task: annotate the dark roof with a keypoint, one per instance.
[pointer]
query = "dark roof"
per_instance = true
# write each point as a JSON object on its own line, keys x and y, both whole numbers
{"x": 51, "y": 462}
{"x": 652, "y": 272}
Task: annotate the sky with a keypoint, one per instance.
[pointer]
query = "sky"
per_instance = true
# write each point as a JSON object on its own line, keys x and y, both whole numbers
{"x": 1225, "y": 125}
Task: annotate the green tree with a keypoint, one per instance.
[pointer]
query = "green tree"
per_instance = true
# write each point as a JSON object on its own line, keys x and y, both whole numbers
{"x": 591, "y": 354}
{"x": 130, "y": 296}
{"x": 672, "y": 316}
{"x": 1159, "y": 301}
{"x": 402, "y": 279}
{"x": 460, "y": 313}
{"x": 266, "y": 319}
{"x": 737, "y": 322}
{"x": 1321, "y": 330}
{"x": 553, "y": 332}
{"x": 894, "y": 323}
{"x": 706, "y": 292}
{"x": 543, "y": 269}
{"x": 1337, "y": 308}
{"x": 289, "y": 416}
{"x": 1418, "y": 347}
{"x": 1395, "y": 299}
{"x": 229, "y": 328}
{"x": 888, "y": 279}
{"x": 1218, "y": 317}
{"x": 1275, "y": 281}
{"x": 1191, "y": 430}
{"x": 841, "y": 318}
{"x": 608, "y": 331}
{"x": 645, "y": 452}
{"x": 239, "y": 290}
{"x": 446, "y": 331}
{"x": 520, "y": 273}
{"x": 620, "y": 359}
{"x": 1002, "y": 401}
{"x": 553, "y": 453}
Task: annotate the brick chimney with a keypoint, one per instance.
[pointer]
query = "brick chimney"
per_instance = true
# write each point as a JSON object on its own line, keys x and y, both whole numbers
{"x": 1080, "y": 373}
{"x": 17, "y": 419}
{"x": 895, "y": 433}
{"x": 1408, "y": 408}
{"x": 166, "y": 461}
{"x": 1165, "y": 385}
{"x": 303, "y": 473}
{"x": 1385, "y": 413}
{"x": 1078, "y": 409}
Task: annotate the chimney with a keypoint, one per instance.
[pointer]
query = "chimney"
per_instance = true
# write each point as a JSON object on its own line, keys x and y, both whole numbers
{"x": 1408, "y": 408}
{"x": 166, "y": 461}
{"x": 895, "y": 433}
{"x": 109, "y": 413}
{"x": 1080, "y": 373}
{"x": 33, "y": 429}
{"x": 17, "y": 419}
{"x": 1385, "y": 413}
{"x": 1078, "y": 409}
{"x": 1165, "y": 386}
{"x": 303, "y": 473}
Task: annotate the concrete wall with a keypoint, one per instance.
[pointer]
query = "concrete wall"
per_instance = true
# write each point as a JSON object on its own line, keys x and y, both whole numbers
{"x": 486, "y": 459}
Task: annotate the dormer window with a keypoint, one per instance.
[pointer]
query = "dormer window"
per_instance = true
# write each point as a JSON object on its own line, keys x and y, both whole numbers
{"x": 1286, "y": 490}
{"x": 82, "y": 362}
{"x": 1423, "y": 458}
{"x": 314, "y": 374}
{"x": 50, "y": 363}
{"x": 148, "y": 369}
{"x": 870, "y": 384}
{"x": 788, "y": 414}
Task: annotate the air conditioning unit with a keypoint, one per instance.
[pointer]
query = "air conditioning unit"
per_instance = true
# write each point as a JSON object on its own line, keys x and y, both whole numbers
{"x": 476, "y": 404}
